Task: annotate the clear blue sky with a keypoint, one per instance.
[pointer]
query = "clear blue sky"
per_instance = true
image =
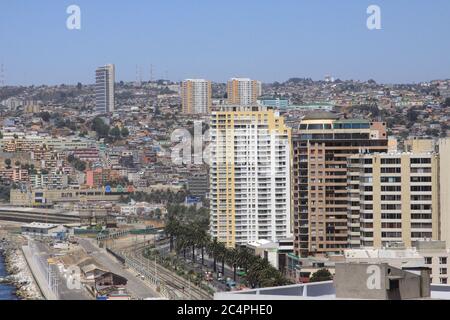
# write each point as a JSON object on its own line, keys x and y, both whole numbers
{"x": 217, "y": 39}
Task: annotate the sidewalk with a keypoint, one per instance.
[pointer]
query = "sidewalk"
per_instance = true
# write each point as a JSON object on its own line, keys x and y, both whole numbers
{"x": 37, "y": 274}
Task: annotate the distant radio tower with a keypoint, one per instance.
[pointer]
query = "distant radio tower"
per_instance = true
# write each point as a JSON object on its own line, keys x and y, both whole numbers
{"x": 2, "y": 75}
{"x": 138, "y": 83}
{"x": 151, "y": 73}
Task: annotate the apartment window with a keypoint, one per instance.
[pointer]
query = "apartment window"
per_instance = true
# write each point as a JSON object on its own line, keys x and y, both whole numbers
{"x": 428, "y": 260}
{"x": 442, "y": 260}
{"x": 391, "y": 161}
{"x": 443, "y": 280}
{"x": 443, "y": 271}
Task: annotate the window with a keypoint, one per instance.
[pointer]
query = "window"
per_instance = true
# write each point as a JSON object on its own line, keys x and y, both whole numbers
{"x": 443, "y": 271}
{"x": 391, "y": 161}
{"x": 443, "y": 280}
{"x": 428, "y": 260}
{"x": 442, "y": 260}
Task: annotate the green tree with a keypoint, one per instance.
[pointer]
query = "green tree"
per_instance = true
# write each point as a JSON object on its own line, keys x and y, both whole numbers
{"x": 125, "y": 132}
{"x": 321, "y": 275}
{"x": 115, "y": 133}
{"x": 8, "y": 163}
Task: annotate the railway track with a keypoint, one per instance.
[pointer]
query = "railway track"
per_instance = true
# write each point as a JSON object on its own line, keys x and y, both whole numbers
{"x": 170, "y": 280}
{"x": 172, "y": 285}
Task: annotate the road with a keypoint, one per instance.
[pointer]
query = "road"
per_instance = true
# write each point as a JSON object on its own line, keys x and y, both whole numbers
{"x": 138, "y": 288}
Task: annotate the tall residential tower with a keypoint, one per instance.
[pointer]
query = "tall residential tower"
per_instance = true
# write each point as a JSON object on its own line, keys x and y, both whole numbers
{"x": 196, "y": 96}
{"x": 322, "y": 145}
{"x": 104, "y": 89}
{"x": 250, "y": 179}
{"x": 243, "y": 91}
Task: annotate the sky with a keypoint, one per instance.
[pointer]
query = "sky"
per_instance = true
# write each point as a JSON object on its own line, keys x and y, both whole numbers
{"x": 266, "y": 40}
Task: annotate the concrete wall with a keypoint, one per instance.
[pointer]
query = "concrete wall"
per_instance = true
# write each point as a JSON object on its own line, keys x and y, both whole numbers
{"x": 367, "y": 281}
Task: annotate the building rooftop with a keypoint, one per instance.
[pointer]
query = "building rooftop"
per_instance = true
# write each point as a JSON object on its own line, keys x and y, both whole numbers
{"x": 321, "y": 115}
{"x": 39, "y": 225}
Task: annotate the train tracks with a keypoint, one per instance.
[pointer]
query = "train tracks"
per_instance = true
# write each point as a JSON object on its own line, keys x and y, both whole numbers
{"x": 171, "y": 285}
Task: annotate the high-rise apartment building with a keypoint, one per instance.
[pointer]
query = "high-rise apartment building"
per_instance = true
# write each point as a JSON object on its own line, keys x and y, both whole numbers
{"x": 395, "y": 196}
{"x": 243, "y": 91}
{"x": 104, "y": 89}
{"x": 322, "y": 145}
{"x": 250, "y": 177}
{"x": 444, "y": 189}
{"x": 196, "y": 96}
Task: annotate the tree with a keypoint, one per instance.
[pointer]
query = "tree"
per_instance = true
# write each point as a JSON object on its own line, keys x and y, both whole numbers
{"x": 45, "y": 116}
{"x": 321, "y": 275}
{"x": 8, "y": 163}
{"x": 100, "y": 128}
{"x": 70, "y": 158}
{"x": 447, "y": 102}
{"x": 115, "y": 133}
{"x": 125, "y": 132}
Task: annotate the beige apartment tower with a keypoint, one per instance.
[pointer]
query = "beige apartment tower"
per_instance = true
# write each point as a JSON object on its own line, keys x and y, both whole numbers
{"x": 196, "y": 96}
{"x": 397, "y": 197}
{"x": 243, "y": 91}
{"x": 444, "y": 189}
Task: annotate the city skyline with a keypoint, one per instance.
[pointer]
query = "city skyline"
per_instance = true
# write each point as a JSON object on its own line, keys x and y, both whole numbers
{"x": 306, "y": 40}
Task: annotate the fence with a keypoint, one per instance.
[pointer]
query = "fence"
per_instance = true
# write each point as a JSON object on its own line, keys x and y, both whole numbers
{"x": 49, "y": 271}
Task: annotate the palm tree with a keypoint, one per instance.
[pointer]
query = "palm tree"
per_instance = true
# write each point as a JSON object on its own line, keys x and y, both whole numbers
{"x": 203, "y": 241}
{"x": 214, "y": 249}
{"x": 232, "y": 257}
{"x": 221, "y": 251}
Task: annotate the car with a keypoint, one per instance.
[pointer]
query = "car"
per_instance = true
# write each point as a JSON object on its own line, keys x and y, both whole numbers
{"x": 208, "y": 276}
{"x": 240, "y": 272}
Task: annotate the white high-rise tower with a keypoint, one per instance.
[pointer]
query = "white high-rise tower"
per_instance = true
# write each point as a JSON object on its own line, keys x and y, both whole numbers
{"x": 104, "y": 89}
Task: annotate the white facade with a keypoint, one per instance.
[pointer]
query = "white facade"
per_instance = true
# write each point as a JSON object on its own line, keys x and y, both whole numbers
{"x": 104, "y": 89}
{"x": 196, "y": 96}
{"x": 243, "y": 91}
{"x": 249, "y": 177}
